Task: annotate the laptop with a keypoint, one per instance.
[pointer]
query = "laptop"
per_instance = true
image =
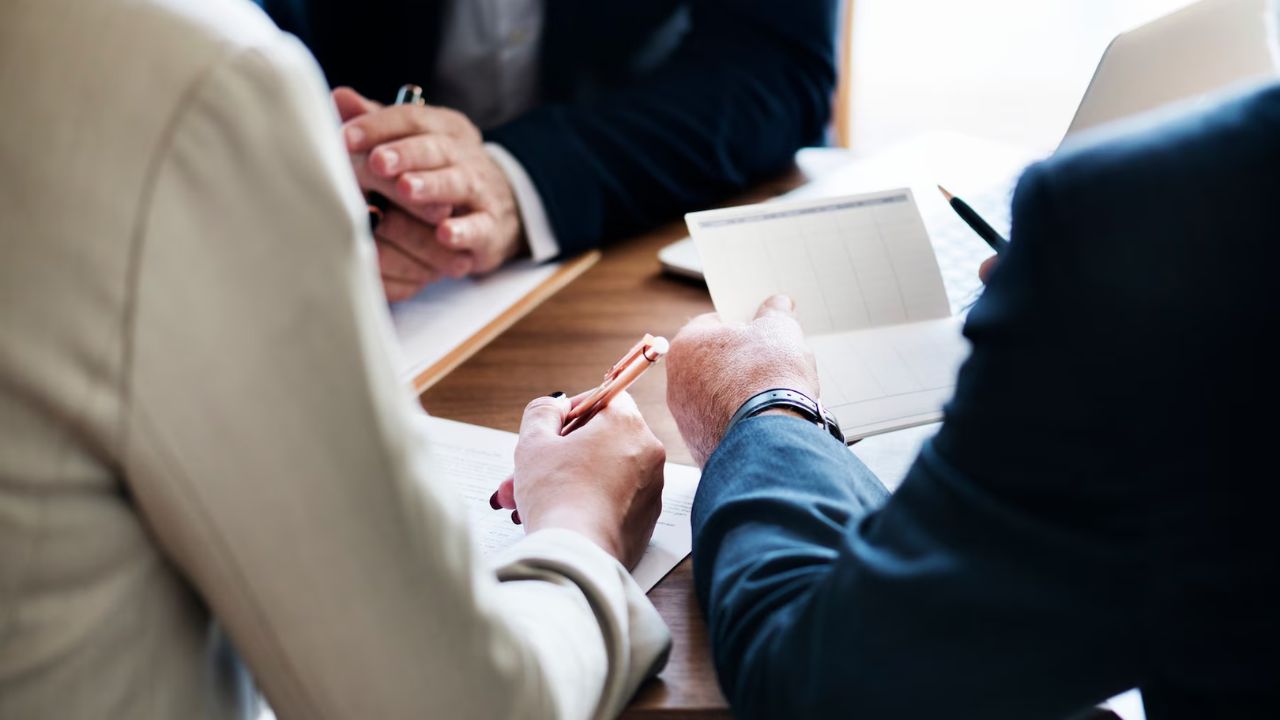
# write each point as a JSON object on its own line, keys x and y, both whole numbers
{"x": 1189, "y": 56}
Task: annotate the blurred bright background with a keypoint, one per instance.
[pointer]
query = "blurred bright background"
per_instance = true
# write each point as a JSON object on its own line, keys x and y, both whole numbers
{"x": 1010, "y": 70}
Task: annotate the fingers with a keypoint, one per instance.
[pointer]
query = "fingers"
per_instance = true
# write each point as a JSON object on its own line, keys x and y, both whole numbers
{"x": 504, "y": 498}
{"x": 573, "y": 401}
{"x": 430, "y": 213}
{"x": 489, "y": 239}
{"x": 367, "y": 131}
{"x": 352, "y": 104}
{"x": 777, "y": 305}
{"x": 622, "y": 404}
{"x": 544, "y": 417}
{"x": 450, "y": 185}
{"x": 468, "y": 232}
{"x": 505, "y": 495}
{"x": 776, "y": 321}
{"x": 621, "y": 415}
{"x": 420, "y": 152}
{"x": 987, "y": 267}
{"x": 397, "y": 290}
{"x": 621, "y": 418}
{"x": 402, "y": 276}
{"x": 417, "y": 242}
{"x": 705, "y": 320}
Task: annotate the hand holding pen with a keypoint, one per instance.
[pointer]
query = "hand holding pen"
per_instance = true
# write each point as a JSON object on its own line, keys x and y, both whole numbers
{"x": 354, "y": 109}
{"x": 603, "y": 481}
{"x": 598, "y": 434}
{"x": 410, "y": 255}
{"x": 980, "y": 226}
{"x": 433, "y": 164}
{"x": 378, "y": 203}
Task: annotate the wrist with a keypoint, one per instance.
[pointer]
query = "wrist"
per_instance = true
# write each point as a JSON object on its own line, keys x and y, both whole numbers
{"x": 783, "y": 411}
{"x": 536, "y": 232}
{"x": 787, "y": 400}
{"x": 583, "y": 523}
{"x": 755, "y": 388}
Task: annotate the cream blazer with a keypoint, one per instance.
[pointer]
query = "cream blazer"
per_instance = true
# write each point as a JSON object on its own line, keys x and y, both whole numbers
{"x": 199, "y": 417}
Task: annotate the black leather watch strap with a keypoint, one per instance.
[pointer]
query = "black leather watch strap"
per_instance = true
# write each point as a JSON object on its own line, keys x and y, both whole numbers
{"x": 791, "y": 399}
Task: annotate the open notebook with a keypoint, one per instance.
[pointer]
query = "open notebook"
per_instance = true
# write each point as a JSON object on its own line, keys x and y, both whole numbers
{"x": 868, "y": 293}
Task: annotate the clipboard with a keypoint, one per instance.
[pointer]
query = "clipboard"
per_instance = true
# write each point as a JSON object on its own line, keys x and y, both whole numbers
{"x": 451, "y": 320}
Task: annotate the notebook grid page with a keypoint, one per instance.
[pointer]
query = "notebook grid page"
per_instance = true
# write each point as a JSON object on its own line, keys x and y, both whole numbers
{"x": 849, "y": 264}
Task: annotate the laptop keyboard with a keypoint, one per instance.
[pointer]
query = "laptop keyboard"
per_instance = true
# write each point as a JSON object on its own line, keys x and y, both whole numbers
{"x": 959, "y": 249}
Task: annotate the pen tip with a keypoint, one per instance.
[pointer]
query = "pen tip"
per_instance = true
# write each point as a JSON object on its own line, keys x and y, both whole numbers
{"x": 946, "y": 194}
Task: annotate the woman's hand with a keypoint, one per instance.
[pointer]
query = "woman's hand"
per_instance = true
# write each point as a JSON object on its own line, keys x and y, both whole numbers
{"x": 603, "y": 480}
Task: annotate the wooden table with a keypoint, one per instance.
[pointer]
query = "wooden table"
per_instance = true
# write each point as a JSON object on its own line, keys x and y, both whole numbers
{"x": 565, "y": 344}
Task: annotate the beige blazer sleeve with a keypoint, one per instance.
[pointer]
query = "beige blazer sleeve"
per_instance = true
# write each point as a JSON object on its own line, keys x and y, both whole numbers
{"x": 276, "y": 460}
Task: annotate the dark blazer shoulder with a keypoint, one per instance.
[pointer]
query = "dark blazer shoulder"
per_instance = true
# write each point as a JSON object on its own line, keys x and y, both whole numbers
{"x": 1232, "y": 140}
{"x": 1142, "y": 210}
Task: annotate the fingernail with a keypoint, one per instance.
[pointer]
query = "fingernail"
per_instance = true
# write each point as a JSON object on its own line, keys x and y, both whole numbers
{"x": 390, "y": 160}
{"x": 493, "y": 501}
{"x": 354, "y": 136}
{"x": 557, "y": 394}
{"x": 515, "y": 516}
{"x": 415, "y": 185}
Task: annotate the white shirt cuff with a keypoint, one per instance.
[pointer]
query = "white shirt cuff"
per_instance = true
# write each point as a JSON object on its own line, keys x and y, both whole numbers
{"x": 537, "y": 229}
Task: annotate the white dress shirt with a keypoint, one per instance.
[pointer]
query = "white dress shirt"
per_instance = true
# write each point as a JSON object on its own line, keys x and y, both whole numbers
{"x": 199, "y": 417}
{"x": 489, "y": 69}
{"x": 489, "y": 62}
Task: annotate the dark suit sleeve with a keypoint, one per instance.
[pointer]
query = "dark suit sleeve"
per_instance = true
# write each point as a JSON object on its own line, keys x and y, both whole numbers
{"x": 750, "y": 83}
{"x": 997, "y": 582}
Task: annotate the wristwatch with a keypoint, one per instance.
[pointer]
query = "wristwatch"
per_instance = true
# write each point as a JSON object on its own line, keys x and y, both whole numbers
{"x": 795, "y": 400}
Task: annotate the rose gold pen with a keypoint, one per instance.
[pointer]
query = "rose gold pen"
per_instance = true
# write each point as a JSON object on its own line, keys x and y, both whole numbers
{"x": 642, "y": 356}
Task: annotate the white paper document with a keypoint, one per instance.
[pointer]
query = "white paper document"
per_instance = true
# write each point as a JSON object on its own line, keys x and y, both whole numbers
{"x": 474, "y": 460}
{"x": 448, "y": 312}
{"x": 868, "y": 293}
{"x": 891, "y": 455}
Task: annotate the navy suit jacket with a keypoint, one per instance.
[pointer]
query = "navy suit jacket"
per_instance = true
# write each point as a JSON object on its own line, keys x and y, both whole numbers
{"x": 1099, "y": 510}
{"x": 651, "y": 107}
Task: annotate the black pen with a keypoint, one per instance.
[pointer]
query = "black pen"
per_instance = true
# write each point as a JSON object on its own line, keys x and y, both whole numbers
{"x": 975, "y": 221}
{"x": 407, "y": 95}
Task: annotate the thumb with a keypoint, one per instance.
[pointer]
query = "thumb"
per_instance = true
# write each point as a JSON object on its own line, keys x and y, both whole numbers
{"x": 987, "y": 266}
{"x": 351, "y": 103}
{"x": 544, "y": 417}
{"x": 777, "y": 305}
